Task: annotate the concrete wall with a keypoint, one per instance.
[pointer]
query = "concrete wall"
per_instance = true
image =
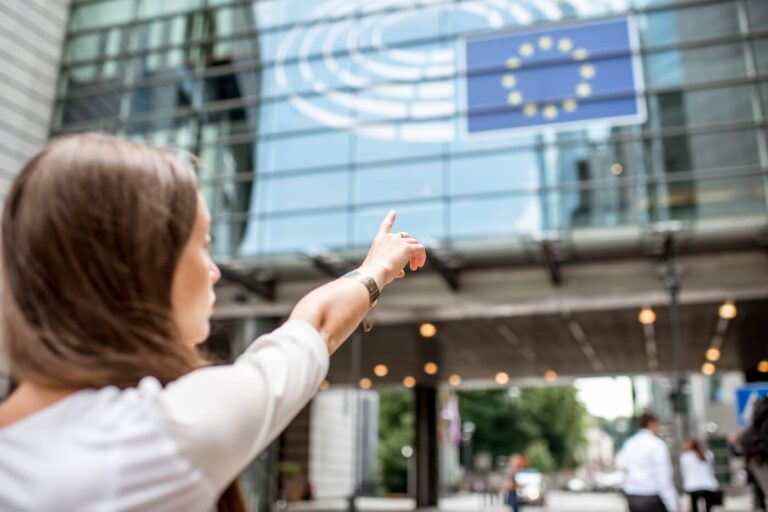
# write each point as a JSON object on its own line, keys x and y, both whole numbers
{"x": 31, "y": 38}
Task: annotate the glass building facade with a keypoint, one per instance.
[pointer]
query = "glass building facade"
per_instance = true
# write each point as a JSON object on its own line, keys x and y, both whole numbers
{"x": 313, "y": 118}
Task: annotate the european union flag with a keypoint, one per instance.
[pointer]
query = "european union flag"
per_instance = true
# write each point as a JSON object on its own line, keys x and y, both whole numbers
{"x": 556, "y": 75}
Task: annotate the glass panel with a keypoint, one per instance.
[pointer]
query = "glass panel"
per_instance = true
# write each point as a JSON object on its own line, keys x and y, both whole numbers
{"x": 676, "y": 67}
{"x": 400, "y": 182}
{"x": 280, "y": 154}
{"x": 761, "y": 55}
{"x": 491, "y": 173}
{"x": 711, "y": 150}
{"x": 312, "y": 233}
{"x": 303, "y": 192}
{"x": 87, "y": 46}
{"x": 153, "y": 8}
{"x": 101, "y": 14}
{"x": 425, "y": 222}
{"x": 100, "y": 106}
{"x": 711, "y": 106}
{"x": 167, "y": 96}
{"x": 232, "y": 85}
{"x": 233, "y": 20}
{"x": 282, "y": 117}
{"x": 680, "y": 25}
{"x": 758, "y": 14}
{"x": 483, "y": 218}
{"x": 717, "y": 197}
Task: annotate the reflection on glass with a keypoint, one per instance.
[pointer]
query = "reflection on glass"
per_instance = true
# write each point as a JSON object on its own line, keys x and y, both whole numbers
{"x": 676, "y": 67}
{"x": 518, "y": 170}
{"x": 399, "y": 182}
{"x": 425, "y": 221}
{"x": 486, "y": 218}
{"x": 315, "y": 233}
{"x": 683, "y": 25}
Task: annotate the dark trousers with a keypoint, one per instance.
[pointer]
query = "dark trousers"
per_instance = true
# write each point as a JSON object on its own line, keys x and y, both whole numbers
{"x": 708, "y": 497}
{"x": 645, "y": 503}
{"x": 512, "y": 502}
{"x": 759, "y": 497}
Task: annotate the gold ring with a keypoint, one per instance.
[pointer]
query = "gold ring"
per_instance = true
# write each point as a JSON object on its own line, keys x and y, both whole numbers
{"x": 402, "y": 234}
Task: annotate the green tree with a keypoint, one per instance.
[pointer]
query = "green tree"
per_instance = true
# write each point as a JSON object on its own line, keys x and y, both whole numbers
{"x": 560, "y": 419}
{"x": 503, "y": 425}
{"x": 500, "y": 429}
{"x": 396, "y": 417}
{"x": 539, "y": 457}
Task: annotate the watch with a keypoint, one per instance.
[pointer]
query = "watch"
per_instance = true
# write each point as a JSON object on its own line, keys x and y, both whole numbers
{"x": 370, "y": 284}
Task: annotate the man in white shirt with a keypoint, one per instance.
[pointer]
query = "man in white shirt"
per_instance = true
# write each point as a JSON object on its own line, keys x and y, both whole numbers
{"x": 647, "y": 466}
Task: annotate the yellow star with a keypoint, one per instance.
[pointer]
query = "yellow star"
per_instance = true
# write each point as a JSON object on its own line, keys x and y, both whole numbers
{"x": 513, "y": 63}
{"x": 508, "y": 81}
{"x": 565, "y": 45}
{"x": 588, "y": 71}
{"x": 583, "y": 90}
{"x": 581, "y": 54}
{"x": 550, "y": 111}
{"x": 526, "y": 49}
{"x": 545, "y": 42}
{"x": 569, "y": 105}
{"x": 515, "y": 98}
{"x": 530, "y": 110}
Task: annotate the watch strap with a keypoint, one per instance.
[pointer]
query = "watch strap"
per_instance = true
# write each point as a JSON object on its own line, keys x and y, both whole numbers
{"x": 370, "y": 284}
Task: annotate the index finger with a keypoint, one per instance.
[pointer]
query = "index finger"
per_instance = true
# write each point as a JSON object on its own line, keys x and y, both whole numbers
{"x": 386, "y": 224}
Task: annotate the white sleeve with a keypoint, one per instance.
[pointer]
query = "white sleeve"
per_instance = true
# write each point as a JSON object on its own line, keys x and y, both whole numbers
{"x": 223, "y": 416}
{"x": 664, "y": 479}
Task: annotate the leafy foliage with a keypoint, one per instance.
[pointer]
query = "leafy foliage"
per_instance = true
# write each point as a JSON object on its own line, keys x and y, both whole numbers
{"x": 396, "y": 429}
{"x": 552, "y": 416}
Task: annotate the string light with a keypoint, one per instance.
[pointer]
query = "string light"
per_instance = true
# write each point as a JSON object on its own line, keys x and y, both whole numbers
{"x": 427, "y": 330}
{"x": 727, "y": 310}
{"x": 646, "y": 316}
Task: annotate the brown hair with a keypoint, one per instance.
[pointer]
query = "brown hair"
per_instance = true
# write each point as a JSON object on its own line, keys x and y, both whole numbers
{"x": 645, "y": 419}
{"x": 692, "y": 444}
{"x": 93, "y": 228}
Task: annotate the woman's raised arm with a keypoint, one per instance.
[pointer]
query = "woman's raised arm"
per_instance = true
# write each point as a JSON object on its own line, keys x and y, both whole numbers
{"x": 338, "y": 307}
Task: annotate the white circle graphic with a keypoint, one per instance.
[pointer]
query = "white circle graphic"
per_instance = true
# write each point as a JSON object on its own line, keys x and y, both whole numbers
{"x": 363, "y": 80}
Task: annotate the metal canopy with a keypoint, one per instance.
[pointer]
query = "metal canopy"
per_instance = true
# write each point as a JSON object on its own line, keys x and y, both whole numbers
{"x": 576, "y": 344}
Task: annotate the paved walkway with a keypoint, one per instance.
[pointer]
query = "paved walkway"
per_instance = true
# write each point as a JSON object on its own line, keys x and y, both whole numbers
{"x": 557, "y": 501}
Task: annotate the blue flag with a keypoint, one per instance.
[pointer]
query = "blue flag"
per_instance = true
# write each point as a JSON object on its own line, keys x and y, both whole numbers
{"x": 554, "y": 76}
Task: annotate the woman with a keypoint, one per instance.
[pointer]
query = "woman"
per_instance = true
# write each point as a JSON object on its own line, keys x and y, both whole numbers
{"x": 108, "y": 288}
{"x": 698, "y": 472}
{"x": 754, "y": 446}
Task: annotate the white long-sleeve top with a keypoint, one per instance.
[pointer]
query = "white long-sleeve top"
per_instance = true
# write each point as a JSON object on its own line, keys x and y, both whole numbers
{"x": 698, "y": 475}
{"x": 155, "y": 448}
{"x": 648, "y": 468}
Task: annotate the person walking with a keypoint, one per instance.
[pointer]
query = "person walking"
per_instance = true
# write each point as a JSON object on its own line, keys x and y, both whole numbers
{"x": 514, "y": 465}
{"x": 697, "y": 468}
{"x": 754, "y": 445}
{"x": 108, "y": 288}
{"x": 647, "y": 466}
